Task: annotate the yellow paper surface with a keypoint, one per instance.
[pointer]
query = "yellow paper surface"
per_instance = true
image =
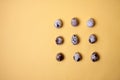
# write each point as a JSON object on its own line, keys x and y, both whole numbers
{"x": 27, "y": 39}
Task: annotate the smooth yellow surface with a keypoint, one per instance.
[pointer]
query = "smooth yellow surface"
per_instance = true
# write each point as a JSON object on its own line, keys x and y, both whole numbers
{"x": 27, "y": 39}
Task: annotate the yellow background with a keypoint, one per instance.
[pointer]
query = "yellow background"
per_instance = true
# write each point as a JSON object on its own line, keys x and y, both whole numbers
{"x": 27, "y": 40}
